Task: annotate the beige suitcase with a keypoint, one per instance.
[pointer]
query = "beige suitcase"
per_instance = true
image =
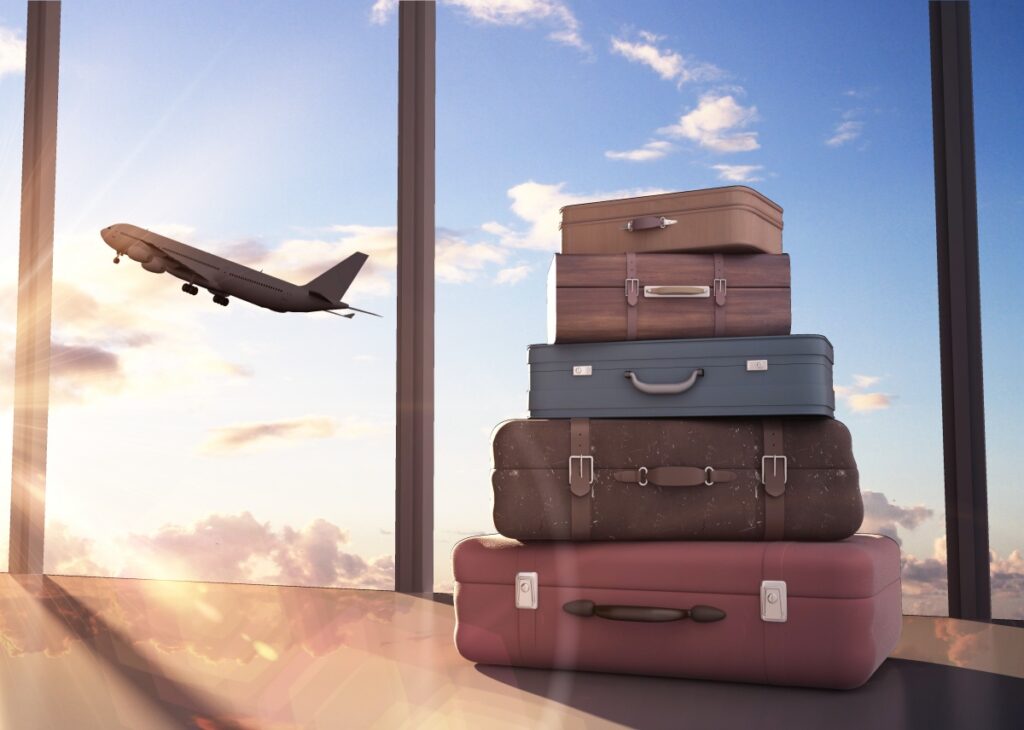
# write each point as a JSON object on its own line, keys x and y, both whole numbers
{"x": 734, "y": 219}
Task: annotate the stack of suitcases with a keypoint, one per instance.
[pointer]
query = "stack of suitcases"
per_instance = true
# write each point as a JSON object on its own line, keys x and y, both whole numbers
{"x": 682, "y": 501}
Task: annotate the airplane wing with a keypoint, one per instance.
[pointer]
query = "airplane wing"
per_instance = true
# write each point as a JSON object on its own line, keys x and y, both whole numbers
{"x": 180, "y": 266}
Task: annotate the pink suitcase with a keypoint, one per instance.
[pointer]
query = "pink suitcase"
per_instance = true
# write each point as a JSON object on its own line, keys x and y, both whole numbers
{"x": 787, "y": 613}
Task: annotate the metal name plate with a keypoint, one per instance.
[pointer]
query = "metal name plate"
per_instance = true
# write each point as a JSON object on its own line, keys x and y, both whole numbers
{"x": 756, "y": 365}
{"x": 578, "y": 370}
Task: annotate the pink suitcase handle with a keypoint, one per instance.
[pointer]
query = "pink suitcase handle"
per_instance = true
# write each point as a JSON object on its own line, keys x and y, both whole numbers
{"x": 647, "y": 614}
{"x": 648, "y": 222}
{"x": 664, "y": 388}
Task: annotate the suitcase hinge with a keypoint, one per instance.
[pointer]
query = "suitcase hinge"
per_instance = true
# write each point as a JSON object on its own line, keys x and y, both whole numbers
{"x": 720, "y": 287}
{"x": 773, "y": 601}
{"x": 632, "y": 291}
{"x": 580, "y": 484}
{"x": 775, "y": 481}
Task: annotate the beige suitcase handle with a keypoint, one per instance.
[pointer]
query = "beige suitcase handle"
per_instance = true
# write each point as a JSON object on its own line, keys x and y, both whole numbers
{"x": 677, "y": 292}
{"x": 664, "y": 388}
{"x": 648, "y": 222}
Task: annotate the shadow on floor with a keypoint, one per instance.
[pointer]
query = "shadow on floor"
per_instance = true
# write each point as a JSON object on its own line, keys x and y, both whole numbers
{"x": 184, "y": 705}
{"x": 902, "y": 694}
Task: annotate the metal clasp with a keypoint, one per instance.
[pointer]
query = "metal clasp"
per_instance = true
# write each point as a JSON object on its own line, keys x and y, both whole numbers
{"x": 589, "y": 459}
{"x": 775, "y": 469}
{"x": 632, "y": 286}
{"x": 641, "y": 474}
{"x": 721, "y": 288}
{"x": 526, "y": 590}
{"x": 709, "y": 476}
{"x": 774, "y": 607}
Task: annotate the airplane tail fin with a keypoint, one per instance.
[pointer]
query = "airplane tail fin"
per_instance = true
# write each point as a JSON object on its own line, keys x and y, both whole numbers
{"x": 333, "y": 283}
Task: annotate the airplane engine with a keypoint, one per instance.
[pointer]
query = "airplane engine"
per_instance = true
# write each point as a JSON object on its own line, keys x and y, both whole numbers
{"x": 156, "y": 265}
{"x": 140, "y": 252}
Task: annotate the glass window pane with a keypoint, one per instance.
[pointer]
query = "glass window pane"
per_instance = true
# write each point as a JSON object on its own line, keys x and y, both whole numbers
{"x": 998, "y": 48}
{"x": 195, "y": 441}
{"x": 12, "y": 109}
{"x": 825, "y": 111}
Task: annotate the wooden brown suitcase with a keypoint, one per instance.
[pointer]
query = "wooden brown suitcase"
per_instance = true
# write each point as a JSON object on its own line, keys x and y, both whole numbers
{"x": 733, "y": 219}
{"x": 791, "y": 478}
{"x": 611, "y": 297}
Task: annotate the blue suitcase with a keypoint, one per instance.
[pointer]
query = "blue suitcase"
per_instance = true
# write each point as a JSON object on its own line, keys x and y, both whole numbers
{"x": 734, "y": 376}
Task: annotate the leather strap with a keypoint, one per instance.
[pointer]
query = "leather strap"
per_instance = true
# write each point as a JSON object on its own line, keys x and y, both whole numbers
{"x": 674, "y": 476}
{"x": 774, "y": 471}
{"x": 632, "y": 295}
{"x": 581, "y": 477}
{"x": 718, "y": 285}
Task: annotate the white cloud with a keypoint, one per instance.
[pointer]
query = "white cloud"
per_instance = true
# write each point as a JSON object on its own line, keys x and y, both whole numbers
{"x": 668, "y": 64}
{"x": 882, "y": 517}
{"x": 525, "y": 12}
{"x": 653, "y": 150}
{"x": 539, "y": 206}
{"x": 714, "y": 124}
{"x": 382, "y": 10}
{"x": 859, "y": 399}
{"x": 866, "y": 381}
{"x": 845, "y": 132}
{"x": 264, "y": 433}
{"x": 512, "y": 275}
{"x": 12, "y": 52}
{"x": 738, "y": 173}
{"x": 238, "y": 548}
{"x": 457, "y": 261}
{"x": 862, "y": 402}
{"x": 552, "y": 13}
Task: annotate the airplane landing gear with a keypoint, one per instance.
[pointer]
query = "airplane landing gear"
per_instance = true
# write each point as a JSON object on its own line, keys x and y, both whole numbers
{"x": 117, "y": 259}
{"x": 221, "y": 300}
{"x": 190, "y": 289}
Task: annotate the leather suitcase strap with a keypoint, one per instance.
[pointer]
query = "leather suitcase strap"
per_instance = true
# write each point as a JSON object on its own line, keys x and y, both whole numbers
{"x": 632, "y": 295}
{"x": 718, "y": 286}
{"x": 774, "y": 472}
{"x": 581, "y": 478}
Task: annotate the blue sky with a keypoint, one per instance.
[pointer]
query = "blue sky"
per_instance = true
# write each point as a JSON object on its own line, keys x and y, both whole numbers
{"x": 270, "y": 135}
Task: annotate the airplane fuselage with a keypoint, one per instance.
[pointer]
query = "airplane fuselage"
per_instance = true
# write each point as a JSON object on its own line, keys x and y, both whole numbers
{"x": 221, "y": 277}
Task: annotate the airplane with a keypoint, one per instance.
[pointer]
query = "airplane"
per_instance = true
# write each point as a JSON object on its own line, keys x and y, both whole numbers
{"x": 224, "y": 278}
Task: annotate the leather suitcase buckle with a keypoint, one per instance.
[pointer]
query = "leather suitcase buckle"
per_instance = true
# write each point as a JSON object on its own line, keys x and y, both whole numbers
{"x": 573, "y": 483}
{"x": 774, "y": 486}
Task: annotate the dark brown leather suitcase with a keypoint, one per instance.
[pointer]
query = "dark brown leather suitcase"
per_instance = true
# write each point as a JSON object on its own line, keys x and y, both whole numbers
{"x": 791, "y": 478}
{"x": 733, "y": 219}
{"x": 608, "y": 297}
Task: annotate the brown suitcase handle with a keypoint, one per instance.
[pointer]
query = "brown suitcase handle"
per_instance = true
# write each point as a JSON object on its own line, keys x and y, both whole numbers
{"x": 646, "y": 614}
{"x": 674, "y": 476}
{"x": 648, "y": 222}
{"x": 664, "y": 388}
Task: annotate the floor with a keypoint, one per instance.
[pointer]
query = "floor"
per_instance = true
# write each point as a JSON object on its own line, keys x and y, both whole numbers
{"x": 116, "y": 653}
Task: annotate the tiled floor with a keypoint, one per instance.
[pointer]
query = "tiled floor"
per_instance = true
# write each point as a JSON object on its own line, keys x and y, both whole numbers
{"x": 109, "y": 653}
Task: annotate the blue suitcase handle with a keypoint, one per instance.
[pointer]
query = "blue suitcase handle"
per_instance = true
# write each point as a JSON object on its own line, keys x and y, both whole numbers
{"x": 664, "y": 388}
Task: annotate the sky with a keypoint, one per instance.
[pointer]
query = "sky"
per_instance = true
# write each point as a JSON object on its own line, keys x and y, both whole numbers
{"x": 193, "y": 441}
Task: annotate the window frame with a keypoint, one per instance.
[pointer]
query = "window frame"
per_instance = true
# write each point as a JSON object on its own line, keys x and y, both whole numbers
{"x": 957, "y": 281}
